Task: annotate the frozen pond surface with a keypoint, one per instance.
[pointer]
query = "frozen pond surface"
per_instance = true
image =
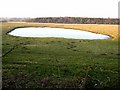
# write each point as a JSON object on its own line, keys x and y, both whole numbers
{"x": 56, "y": 32}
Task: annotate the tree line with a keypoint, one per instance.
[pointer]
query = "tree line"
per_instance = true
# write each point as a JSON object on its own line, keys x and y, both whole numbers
{"x": 75, "y": 20}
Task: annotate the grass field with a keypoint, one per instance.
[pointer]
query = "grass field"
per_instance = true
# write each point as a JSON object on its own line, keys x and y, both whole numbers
{"x": 59, "y": 62}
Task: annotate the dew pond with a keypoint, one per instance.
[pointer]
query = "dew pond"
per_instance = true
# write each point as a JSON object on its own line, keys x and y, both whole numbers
{"x": 56, "y": 32}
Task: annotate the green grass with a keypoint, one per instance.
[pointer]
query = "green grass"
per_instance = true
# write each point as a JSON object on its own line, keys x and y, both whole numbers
{"x": 58, "y": 62}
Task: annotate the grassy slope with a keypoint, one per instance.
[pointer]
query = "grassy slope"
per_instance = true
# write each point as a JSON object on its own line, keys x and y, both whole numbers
{"x": 58, "y": 62}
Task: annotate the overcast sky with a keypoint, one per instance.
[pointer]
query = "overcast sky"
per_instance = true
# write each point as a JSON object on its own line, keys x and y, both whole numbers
{"x": 59, "y": 8}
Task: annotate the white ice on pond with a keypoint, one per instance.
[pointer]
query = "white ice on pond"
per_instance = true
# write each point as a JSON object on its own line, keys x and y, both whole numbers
{"x": 56, "y": 32}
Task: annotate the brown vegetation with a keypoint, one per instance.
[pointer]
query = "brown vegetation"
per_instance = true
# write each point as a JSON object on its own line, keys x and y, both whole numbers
{"x": 111, "y": 30}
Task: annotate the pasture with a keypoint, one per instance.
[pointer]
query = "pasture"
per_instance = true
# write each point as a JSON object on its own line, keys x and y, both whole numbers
{"x": 60, "y": 62}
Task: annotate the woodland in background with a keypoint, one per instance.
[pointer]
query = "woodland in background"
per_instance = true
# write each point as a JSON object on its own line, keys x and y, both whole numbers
{"x": 65, "y": 20}
{"x": 75, "y": 20}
